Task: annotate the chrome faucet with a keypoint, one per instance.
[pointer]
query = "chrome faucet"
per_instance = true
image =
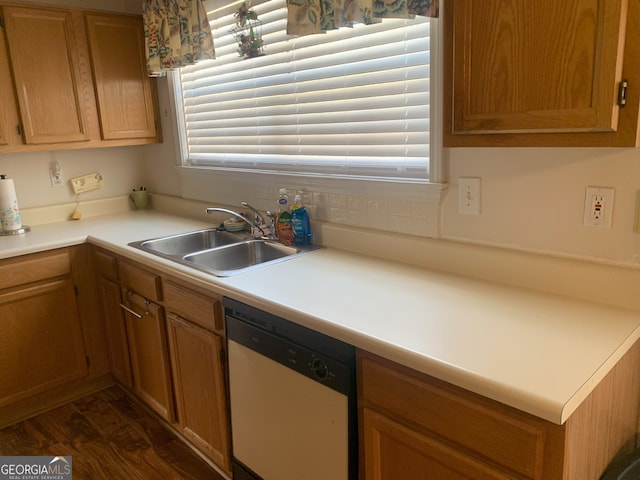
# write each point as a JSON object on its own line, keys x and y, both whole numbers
{"x": 258, "y": 227}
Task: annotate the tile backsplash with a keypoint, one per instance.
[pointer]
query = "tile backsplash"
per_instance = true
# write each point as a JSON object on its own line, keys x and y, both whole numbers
{"x": 412, "y": 216}
{"x": 402, "y": 216}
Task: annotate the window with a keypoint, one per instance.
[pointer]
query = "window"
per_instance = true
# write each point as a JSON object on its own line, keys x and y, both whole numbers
{"x": 353, "y": 102}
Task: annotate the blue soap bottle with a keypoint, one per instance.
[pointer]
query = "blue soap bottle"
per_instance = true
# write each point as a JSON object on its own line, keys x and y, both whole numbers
{"x": 300, "y": 222}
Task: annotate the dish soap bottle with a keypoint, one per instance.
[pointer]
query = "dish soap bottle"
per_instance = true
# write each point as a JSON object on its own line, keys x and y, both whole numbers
{"x": 300, "y": 222}
{"x": 283, "y": 220}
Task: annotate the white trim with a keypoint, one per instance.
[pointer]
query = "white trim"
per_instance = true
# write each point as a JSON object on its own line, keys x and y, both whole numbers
{"x": 436, "y": 151}
{"x": 392, "y": 189}
{"x": 177, "y": 104}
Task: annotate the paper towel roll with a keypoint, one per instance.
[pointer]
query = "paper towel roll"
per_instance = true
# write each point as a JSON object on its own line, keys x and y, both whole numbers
{"x": 9, "y": 212}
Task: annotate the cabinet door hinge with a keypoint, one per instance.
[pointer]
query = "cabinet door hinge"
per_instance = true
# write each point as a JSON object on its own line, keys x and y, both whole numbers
{"x": 88, "y": 360}
{"x": 75, "y": 290}
{"x": 1, "y": 21}
{"x": 622, "y": 92}
{"x": 19, "y": 127}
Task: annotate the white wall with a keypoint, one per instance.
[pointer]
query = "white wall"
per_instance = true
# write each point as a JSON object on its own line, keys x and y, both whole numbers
{"x": 122, "y": 169}
{"x": 532, "y": 198}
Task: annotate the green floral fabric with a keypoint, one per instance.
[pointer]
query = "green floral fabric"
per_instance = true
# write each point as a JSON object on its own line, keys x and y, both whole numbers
{"x": 177, "y": 33}
{"x": 317, "y": 16}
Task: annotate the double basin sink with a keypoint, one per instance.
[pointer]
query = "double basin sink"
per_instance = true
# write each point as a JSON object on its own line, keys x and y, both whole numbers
{"x": 220, "y": 252}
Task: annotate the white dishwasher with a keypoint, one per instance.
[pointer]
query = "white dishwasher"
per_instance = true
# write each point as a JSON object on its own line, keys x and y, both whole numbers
{"x": 292, "y": 397}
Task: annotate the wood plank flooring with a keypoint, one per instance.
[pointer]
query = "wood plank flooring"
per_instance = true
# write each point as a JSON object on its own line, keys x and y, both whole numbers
{"x": 110, "y": 437}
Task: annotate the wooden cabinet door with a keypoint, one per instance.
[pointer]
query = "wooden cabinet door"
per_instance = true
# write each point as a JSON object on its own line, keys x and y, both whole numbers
{"x": 9, "y": 120}
{"x": 198, "y": 375}
{"x": 392, "y": 451}
{"x": 413, "y": 421}
{"x": 524, "y": 66}
{"x": 146, "y": 332}
{"x": 124, "y": 91}
{"x": 41, "y": 345}
{"x": 117, "y": 343}
{"x": 44, "y": 59}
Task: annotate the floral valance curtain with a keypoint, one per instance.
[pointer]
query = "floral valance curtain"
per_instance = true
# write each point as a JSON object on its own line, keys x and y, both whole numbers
{"x": 317, "y": 16}
{"x": 177, "y": 33}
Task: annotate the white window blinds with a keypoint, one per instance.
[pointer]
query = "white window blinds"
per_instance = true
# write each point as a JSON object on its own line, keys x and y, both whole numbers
{"x": 353, "y": 101}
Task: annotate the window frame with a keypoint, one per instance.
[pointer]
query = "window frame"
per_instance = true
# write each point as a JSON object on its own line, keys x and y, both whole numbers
{"x": 429, "y": 190}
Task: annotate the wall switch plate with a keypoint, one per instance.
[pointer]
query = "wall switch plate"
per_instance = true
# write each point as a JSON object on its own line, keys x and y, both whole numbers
{"x": 469, "y": 195}
{"x": 87, "y": 182}
{"x": 598, "y": 207}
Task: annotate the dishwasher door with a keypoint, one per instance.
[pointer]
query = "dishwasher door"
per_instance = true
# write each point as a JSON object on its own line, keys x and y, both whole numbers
{"x": 293, "y": 412}
{"x": 284, "y": 425}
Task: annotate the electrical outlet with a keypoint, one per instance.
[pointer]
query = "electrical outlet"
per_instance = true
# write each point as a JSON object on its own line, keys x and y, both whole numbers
{"x": 469, "y": 195}
{"x": 87, "y": 182}
{"x": 598, "y": 207}
{"x": 55, "y": 175}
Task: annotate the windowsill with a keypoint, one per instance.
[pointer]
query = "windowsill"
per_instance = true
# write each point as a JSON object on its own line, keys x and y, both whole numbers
{"x": 425, "y": 191}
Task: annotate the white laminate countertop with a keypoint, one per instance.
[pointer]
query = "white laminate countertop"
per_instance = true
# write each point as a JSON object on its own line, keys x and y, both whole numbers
{"x": 538, "y": 352}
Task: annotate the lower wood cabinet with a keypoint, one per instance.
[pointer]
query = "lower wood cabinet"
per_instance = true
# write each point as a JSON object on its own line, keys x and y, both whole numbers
{"x": 146, "y": 334}
{"x": 433, "y": 430}
{"x": 415, "y": 427}
{"x": 166, "y": 344}
{"x": 107, "y": 284}
{"x": 197, "y": 363}
{"x": 199, "y": 388}
{"x": 116, "y": 332}
{"x": 42, "y": 343}
{"x": 394, "y": 451}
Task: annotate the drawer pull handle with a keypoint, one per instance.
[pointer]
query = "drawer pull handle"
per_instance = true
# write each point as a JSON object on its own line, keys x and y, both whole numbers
{"x": 147, "y": 303}
{"x": 132, "y": 312}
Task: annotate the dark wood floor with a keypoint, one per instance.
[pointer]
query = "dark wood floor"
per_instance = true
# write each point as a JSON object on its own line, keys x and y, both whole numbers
{"x": 109, "y": 437}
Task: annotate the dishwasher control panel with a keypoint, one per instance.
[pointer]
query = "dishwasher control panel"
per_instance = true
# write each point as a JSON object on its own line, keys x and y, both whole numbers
{"x": 303, "y": 358}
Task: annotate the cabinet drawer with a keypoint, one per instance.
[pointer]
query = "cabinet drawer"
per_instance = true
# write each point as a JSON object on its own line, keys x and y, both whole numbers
{"x": 147, "y": 284}
{"x": 200, "y": 309}
{"x": 33, "y": 268}
{"x": 495, "y": 432}
{"x": 106, "y": 264}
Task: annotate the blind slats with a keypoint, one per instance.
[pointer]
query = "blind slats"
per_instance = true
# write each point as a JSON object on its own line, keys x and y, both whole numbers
{"x": 353, "y": 101}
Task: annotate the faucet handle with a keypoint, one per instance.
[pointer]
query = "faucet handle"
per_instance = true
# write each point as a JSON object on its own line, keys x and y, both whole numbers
{"x": 258, "y": 218}
{"x": 272, "y": 224}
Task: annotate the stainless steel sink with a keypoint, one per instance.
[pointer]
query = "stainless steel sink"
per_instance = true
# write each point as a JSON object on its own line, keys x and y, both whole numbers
{"x": 185, "y": 243}
{"x": 220, "y": 252}
{"x": 241, "y": 256}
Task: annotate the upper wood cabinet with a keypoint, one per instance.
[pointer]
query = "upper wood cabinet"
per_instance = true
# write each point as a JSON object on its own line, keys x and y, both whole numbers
{"x": 44, "y": 60}
{"x": 9, "y": 121}
{"x": 71, "y": 79}
{"x": 541, "y": 73}
{"x": 123, "y": 89}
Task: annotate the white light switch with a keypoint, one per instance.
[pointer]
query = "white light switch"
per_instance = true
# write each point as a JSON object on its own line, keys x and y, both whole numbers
{"x": 469, "y": 195}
